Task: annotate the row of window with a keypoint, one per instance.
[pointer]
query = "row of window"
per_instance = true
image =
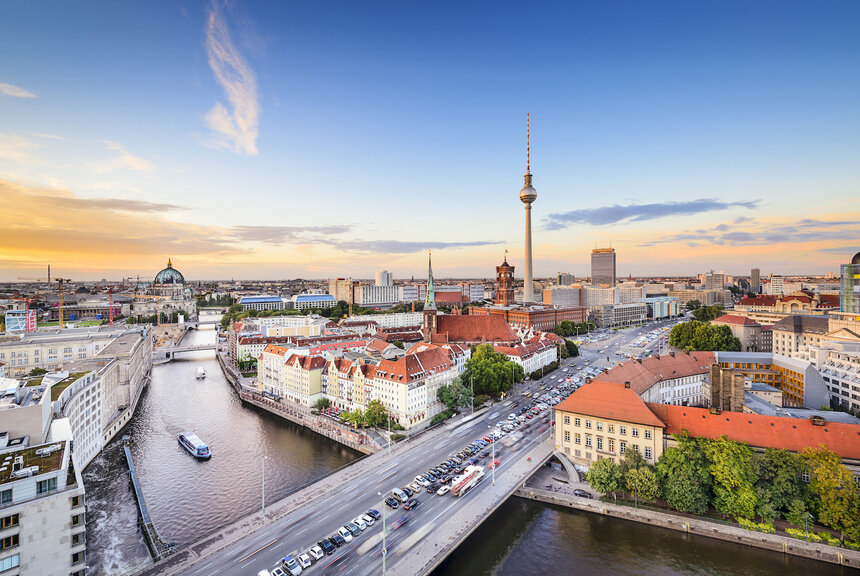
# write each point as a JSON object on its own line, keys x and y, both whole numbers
{"x": 610, "y": 427}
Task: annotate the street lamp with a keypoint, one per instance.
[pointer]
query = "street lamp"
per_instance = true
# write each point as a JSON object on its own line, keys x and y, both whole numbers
{"x": 263, "y": 490}
{"x": 383, "y": 531}
{"x": 806, "y": 524}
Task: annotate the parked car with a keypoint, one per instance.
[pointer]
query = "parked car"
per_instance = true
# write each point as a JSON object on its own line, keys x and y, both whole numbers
{"x": 327, "y": 546}
{"x": 353, "y": 528}
{"x": 291, "y": 565}
{"x": 345, "y": 533}
{"x": 411, "y": 504}
{"x": 392, "y": 503}
{"x": 408, "y": 490}
{"x": 582, "y": 494}
{"x": 374, "y": 514}
{"x": 304, "y": 560}
{"x": 443, "y": 490}
{"x": 359, "y": 521}
{"x": 337, "y": 540}
{"x": 433, "y": 488}
{"x": 316, "y": 552}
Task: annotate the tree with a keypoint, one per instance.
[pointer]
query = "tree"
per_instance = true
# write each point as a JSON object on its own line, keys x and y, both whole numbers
{"x": 37, "y": 372}
{"x": 376, "y": 414}
{"x": 491, "y": 372}
{"x": 604, "y": 476}
{"x": 797, "y": 512}
{"x": 835, "y": 494}
{"x": 696, "y": 335}
{"x": 632, "y": 460}
{"x": 684, "y": 478}
{"x": 779, "y": 482}
{"x": 693, "y": 305}
{"x": 565, "y": 328}
{"x": 708, "y": 313}
{"x": 572, "y": 348}
{"x": 322, "y": 404}
{"x": 455, "y": 395}
{"x": 354, "y": 417}
{"x": 399, "y": 344}
{"x": 643, "y": 483}
{"x": 734, "y": 478}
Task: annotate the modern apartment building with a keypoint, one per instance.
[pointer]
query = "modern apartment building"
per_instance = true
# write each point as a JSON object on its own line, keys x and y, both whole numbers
{"x": 384, "y": 278}
{"x": 755, "y": 281}
{"x": 378, "y": 296}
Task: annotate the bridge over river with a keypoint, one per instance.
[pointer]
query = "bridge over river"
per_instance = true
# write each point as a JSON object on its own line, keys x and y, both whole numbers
{"x": 429, "y": 533}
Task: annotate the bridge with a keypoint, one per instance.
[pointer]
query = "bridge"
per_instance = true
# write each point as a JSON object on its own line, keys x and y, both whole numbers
{"x": 429, "y": 533}
{"x": 158, "y": 548}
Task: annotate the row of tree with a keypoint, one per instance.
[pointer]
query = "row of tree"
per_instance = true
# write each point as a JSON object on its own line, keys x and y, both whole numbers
{"x": 491, "y": 372}
{"x": 702, "y": 336}
{"x": 700, "y": 474}
{"x": 704, "y": 313}
{"x": 567, "y": 328}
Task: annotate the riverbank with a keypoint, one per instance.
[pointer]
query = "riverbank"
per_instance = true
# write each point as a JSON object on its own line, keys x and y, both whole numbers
{"x": 301, "y": 415}
{"x": 772, "y": 542}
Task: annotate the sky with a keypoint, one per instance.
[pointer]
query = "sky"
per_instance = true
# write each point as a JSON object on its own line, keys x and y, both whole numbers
{"x": 270, "y": 140}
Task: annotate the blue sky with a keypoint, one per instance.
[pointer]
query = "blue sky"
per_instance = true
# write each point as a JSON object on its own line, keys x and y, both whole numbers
{"x": 282, "y": 139}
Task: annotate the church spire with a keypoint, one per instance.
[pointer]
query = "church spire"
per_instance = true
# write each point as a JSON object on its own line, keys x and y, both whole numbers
{"x": 430, "y": 300}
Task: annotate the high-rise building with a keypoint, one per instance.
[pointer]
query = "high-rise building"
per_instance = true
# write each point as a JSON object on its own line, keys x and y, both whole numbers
{"x": 849, "y": 290}
{"x": 603, "y": 266}
{"x": 755, "y": 280}
{"x": 384, "y": 278}
{"x": 715, "y": 280}
{"x": 776, "y": 285}
{"x": 527, "y": 196}
{"x": 565, "y": 279}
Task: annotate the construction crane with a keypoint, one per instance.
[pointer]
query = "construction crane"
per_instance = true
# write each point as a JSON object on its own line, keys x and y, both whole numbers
{"x": 110, "y": 306}
{"x": 60, "y": 282}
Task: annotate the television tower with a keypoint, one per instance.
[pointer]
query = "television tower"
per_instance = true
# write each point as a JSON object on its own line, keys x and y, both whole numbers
{"x": 528, "y": 195}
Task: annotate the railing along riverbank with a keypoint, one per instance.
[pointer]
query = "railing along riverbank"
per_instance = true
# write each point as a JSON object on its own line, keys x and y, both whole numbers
{"x": 158, "y": 548}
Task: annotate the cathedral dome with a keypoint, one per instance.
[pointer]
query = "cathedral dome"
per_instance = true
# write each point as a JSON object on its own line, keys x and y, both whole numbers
{"x": 856, "y": 259}
{"x": 169, "y": 275}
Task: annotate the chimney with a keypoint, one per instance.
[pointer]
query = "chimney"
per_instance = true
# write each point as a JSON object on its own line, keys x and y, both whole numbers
{"x": 715, "y": 410}
{"x": 817, "y": 420}
{"x": 627, "y": 383}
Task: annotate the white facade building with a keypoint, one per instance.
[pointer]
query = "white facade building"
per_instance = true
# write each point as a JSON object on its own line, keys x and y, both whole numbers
{"x": 384, "y": 278}
{"x": 376, "y": 296}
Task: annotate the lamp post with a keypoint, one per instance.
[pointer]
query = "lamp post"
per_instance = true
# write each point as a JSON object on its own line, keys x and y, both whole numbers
{"x": 389, "y": 437}
{"x": 384, "y": 551}
{"x": 806, "y": 524}
{"x": 263, "y": 490}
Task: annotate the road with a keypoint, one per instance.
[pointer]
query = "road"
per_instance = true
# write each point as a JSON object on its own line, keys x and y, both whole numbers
{"x": 315, "y": 519}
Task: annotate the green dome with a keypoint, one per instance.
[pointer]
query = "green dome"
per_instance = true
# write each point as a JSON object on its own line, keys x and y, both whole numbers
{"x": 169, "y": 275}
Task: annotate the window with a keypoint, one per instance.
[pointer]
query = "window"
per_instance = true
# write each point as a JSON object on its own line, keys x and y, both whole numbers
{"x": 45, "y": 486}
{"x": 647, "y": 434}
{"x": 635, "y": 432}
{"x": 600, "y": 442}
{"x": 6, "y": 496}
{"x": 611, "y": 428}
{"x": 77, "y": 538}
{"x": 77, "y": 519}
{"x": 588, "y": 441}
{"x": 7, "y": 563}
{"x": 577, "y": 438}
{"x": 622, "y": 430}
{"x": 577, "y": 422}
{"x": 588, "y": 423}
{"x": 599, "y": 425}
{"x": 77, "y": 501}
{"x": 611, "y": 445}
{"x": 566, "y": 436}
{"x": 805, "y": 476}
{"x": 8, "y": 521}
{"x": 78, "y": 557}
{"x": 9, "y": 542}
{"x": 636, "y": 447}
{"x": 647, "y": 453}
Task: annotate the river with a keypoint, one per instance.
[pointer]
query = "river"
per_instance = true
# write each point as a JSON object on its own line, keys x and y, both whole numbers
{"x": 187, "y": 498}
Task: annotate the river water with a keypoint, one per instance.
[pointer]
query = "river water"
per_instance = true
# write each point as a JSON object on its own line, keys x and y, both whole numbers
{"x": 189, "y": 499}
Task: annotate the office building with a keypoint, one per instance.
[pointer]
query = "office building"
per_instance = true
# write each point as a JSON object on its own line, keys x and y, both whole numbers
{"x": 566, "y": 296}
{"x": 849, "y": 291}
{"x": 384, "y": 278}
{"x": 715, "y": 280}
{"x": 603, "y": 266}
{"x": 755, "y": 281}
{"x": 748, "y": 331}
{"x": 377, "y": 296}
{"x": 264, "y": 302}
{"x": 565, "y": 279}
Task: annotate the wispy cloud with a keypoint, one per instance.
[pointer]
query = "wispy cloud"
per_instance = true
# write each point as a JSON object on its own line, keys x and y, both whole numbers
{"x": 15, "y": 91}
{"x": 282, "y": 234}
{"x": 847, "y": 251}
{"x": 123, "y": 160}
{"x": 234, "y": 128}
{"x": 402, "y": 247}
{"x": 16, "y": 148}
{"x": 639, "y": 212}
{"x": 753, "y": 233}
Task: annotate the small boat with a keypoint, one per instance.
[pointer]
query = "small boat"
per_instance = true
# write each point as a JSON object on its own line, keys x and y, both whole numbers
{"x": 201, "y": 373}
{"x": 194, "y": 445}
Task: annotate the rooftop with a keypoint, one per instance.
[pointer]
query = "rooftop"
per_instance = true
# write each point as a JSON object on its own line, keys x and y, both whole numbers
{"x": 50, "y": 463}
{"x": 798, "y": 323}
{"x": 58, "y": 388}
{"x": 609, "y": 400}
{"x": 259, "y": 299}
{"x": 644, "y": 373}
{"x": 738, "y": 320}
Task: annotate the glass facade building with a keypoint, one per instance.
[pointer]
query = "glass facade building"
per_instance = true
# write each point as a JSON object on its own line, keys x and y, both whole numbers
{"x": 603, "y": 266}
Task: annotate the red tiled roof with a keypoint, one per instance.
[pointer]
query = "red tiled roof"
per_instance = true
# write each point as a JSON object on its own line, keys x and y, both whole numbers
{"x": 829, "y": 301}
{"x": 450, "y": 298}
{"x": 760, "y": 300}
{"x": 642, "y": 374}
{"x": 377, "y": 345}
{"x": 609, "y": 400}
{"x": 739, "y": 320}
{"x": 792, "y": 434}
{"x": 474, "y": 328}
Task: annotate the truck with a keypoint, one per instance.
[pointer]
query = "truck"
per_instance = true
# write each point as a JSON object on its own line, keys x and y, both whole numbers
{"x": 470, "y": 478}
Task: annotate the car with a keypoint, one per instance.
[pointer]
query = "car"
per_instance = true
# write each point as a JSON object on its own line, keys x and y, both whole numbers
{"x": 494, "y": 464}
{"x": 411, "y": 504}
{"x": 408, "y": 490}
{"x": 345, "y": 533}
{"x": 443, "y": 490}
{"x": 290, "y": 564}
{"x": 316, "y": 552}
{"x": 368, "y": 520}
{"x": 433, "y": 488}
{"x": 487, "y": 438}
{"x": 337, "y": 540}
{"x": 353, "y": 528}
{"x": 445, "y": 479}
{"x": 582, "y": 494}
{"x": 374, "y": 514}
{"x": 304, "y": 560}
{"x": 420, "y": 479}
{"x": 327, "y": 546}
{"x": 277, "y": 571}
{"x": 392, "y": 503}
{"x": 512, "y": 416}
{"x": 415, "y": 487}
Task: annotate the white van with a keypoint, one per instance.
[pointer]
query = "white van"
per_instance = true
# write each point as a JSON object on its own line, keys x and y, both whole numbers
{"x": 400, "y": 494}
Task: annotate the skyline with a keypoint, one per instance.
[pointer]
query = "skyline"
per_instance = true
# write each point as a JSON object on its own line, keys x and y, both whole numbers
{"x": 692, "y": 138}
